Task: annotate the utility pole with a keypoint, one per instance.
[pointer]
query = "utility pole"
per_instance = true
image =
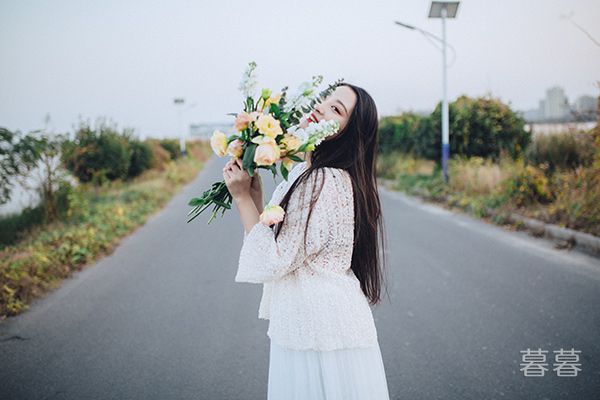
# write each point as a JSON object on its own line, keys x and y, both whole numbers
{"x": 180, "y": 101}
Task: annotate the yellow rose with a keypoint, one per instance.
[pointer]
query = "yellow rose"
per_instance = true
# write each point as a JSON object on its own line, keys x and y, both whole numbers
{"x": 266, "y": 154}
{"x": 262, "y": 139}
{"x": 290, "y": 142}
{"x": 288, "y": 163}
{"x": 267, "y": 125}
{"x": 218, "y": 142}
{"x": 273, "y": 100}
{"x": 272, "y": 214}
{"x": 235, "y": 148}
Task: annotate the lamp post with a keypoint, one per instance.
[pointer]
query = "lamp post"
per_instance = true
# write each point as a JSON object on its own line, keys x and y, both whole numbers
{"x": 443, "y": 10}
{"x": 179, "y": 101}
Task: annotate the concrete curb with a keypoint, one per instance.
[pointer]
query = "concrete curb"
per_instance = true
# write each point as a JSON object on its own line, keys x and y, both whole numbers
{"x": 584, "y": 242}
{"x": 564, "y": 237}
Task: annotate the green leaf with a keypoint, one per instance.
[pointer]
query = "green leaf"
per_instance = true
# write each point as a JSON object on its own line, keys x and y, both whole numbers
{"x": 248, "y": 159}
{"x": 284, "y": 171}
{"x": 275, "y": 110}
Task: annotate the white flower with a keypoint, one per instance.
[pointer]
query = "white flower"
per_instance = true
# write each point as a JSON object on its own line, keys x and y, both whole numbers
{"x": 315, "y": 132}
{"x": 248, "y": 82}
{"x": 299, "y": 133}
{"x": 306, "y": 92}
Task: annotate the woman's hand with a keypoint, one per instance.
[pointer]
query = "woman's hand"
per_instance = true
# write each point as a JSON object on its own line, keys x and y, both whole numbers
{"x": 237, "y": 180}
{"x": 256, "y": 185}
{"x": 256, "y": 191}
{"x": 239, "y": 184}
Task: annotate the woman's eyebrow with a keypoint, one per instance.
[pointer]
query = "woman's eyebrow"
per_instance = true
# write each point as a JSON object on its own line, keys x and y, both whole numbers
{"x": 345, "y": 109}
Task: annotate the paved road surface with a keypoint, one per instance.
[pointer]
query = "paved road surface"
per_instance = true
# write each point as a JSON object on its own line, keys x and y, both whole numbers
{"x": 162, "y": 318}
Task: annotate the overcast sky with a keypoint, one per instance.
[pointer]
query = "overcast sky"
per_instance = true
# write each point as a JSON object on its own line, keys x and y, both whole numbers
{"x": 127, "y": 60}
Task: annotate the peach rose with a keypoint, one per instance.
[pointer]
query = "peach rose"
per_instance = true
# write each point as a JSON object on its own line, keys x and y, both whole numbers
{"x": 266, "y": 153}
{"x": 235, "y": 148}
{"x": 242, "y": 120}
{"x": 218, "y": 143}
{"x": 272, "y": 214}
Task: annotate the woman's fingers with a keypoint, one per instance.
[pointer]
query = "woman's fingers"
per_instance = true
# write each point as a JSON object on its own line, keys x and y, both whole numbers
{"x": 228, "y": 165}
{"x": 236, "y": 164}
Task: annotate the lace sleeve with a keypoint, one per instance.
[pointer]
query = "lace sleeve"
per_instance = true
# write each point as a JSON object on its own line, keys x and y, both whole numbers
{"x": 263, "y": 259}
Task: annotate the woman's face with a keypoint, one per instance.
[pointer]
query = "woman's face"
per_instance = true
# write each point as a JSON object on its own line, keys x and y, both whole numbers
{"x": 337, "y": 106}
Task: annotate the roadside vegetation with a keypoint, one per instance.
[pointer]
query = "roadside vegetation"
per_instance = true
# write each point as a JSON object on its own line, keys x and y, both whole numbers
{"x": 97, "y": 186}
{"x": 496, "y": 166}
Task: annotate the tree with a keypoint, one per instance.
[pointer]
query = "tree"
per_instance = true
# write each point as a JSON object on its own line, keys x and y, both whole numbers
{"x": 18, "y": 156}
{"x": 483, "y": 127}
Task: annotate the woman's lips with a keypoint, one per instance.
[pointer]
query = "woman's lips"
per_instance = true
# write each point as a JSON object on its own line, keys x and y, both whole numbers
{"x": 312, "y": 118}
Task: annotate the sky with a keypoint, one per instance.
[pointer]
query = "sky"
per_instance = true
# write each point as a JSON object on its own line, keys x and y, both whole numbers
{"x": 127, "y": 60}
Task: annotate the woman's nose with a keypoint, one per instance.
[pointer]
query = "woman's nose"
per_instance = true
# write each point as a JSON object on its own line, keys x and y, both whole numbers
{"x": 319, "y": 109}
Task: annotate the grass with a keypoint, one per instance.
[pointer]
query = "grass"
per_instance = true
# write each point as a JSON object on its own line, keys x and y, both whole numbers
{"x": 568, "y": 197}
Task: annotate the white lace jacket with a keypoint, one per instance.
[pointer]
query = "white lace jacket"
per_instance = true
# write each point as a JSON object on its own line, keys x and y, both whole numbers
{"x": 311, "y": 297}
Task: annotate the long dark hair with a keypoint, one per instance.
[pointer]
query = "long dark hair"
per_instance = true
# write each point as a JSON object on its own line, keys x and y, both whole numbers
{"x": 355, "y": 150}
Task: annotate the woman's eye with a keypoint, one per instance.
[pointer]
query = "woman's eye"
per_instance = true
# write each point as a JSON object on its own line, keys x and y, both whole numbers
{"x": 336, "y": 109}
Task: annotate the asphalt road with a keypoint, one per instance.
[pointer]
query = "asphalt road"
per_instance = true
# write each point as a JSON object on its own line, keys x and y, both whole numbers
{"x": 162, "y": 318}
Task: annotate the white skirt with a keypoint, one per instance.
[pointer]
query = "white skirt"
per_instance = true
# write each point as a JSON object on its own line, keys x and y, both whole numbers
{"x": 343, "y": 374}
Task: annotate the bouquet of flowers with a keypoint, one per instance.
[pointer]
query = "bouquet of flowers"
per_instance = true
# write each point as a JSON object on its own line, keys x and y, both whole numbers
{"x": 267, "y": 131}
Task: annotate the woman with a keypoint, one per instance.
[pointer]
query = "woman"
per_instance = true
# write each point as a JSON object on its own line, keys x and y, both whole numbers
{"x": 320, "y": 266}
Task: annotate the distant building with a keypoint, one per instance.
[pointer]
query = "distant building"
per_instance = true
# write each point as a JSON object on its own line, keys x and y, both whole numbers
{"x": 205, "y": 130}
{"x": 531, "y": 114}
{"x": 586, "y": 107}
{"x": 555, "y": 106}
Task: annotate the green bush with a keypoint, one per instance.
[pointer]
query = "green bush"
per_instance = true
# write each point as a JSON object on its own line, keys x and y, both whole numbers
{"x": 141, "y": 158}
{"x": 12, "y": 226}
{"x": 172, "y": 146}
{"x": 97, "y": 155}
{"x": 402, "y": 133}
{"x": 561, "y": 151}
{"x": 577, "y": 202}
{"x": 526, "y": 185}
{"x": 483, "y": 127}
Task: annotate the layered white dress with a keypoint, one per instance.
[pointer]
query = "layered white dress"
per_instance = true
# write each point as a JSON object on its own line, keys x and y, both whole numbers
{"x": 323, "y": 338}
{"x": 344, "y": 374}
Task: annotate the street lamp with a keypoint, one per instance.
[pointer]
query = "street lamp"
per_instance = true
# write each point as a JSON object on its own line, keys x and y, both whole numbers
{"x": 179, "y": 101}
{"x": 443, "y": 10}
